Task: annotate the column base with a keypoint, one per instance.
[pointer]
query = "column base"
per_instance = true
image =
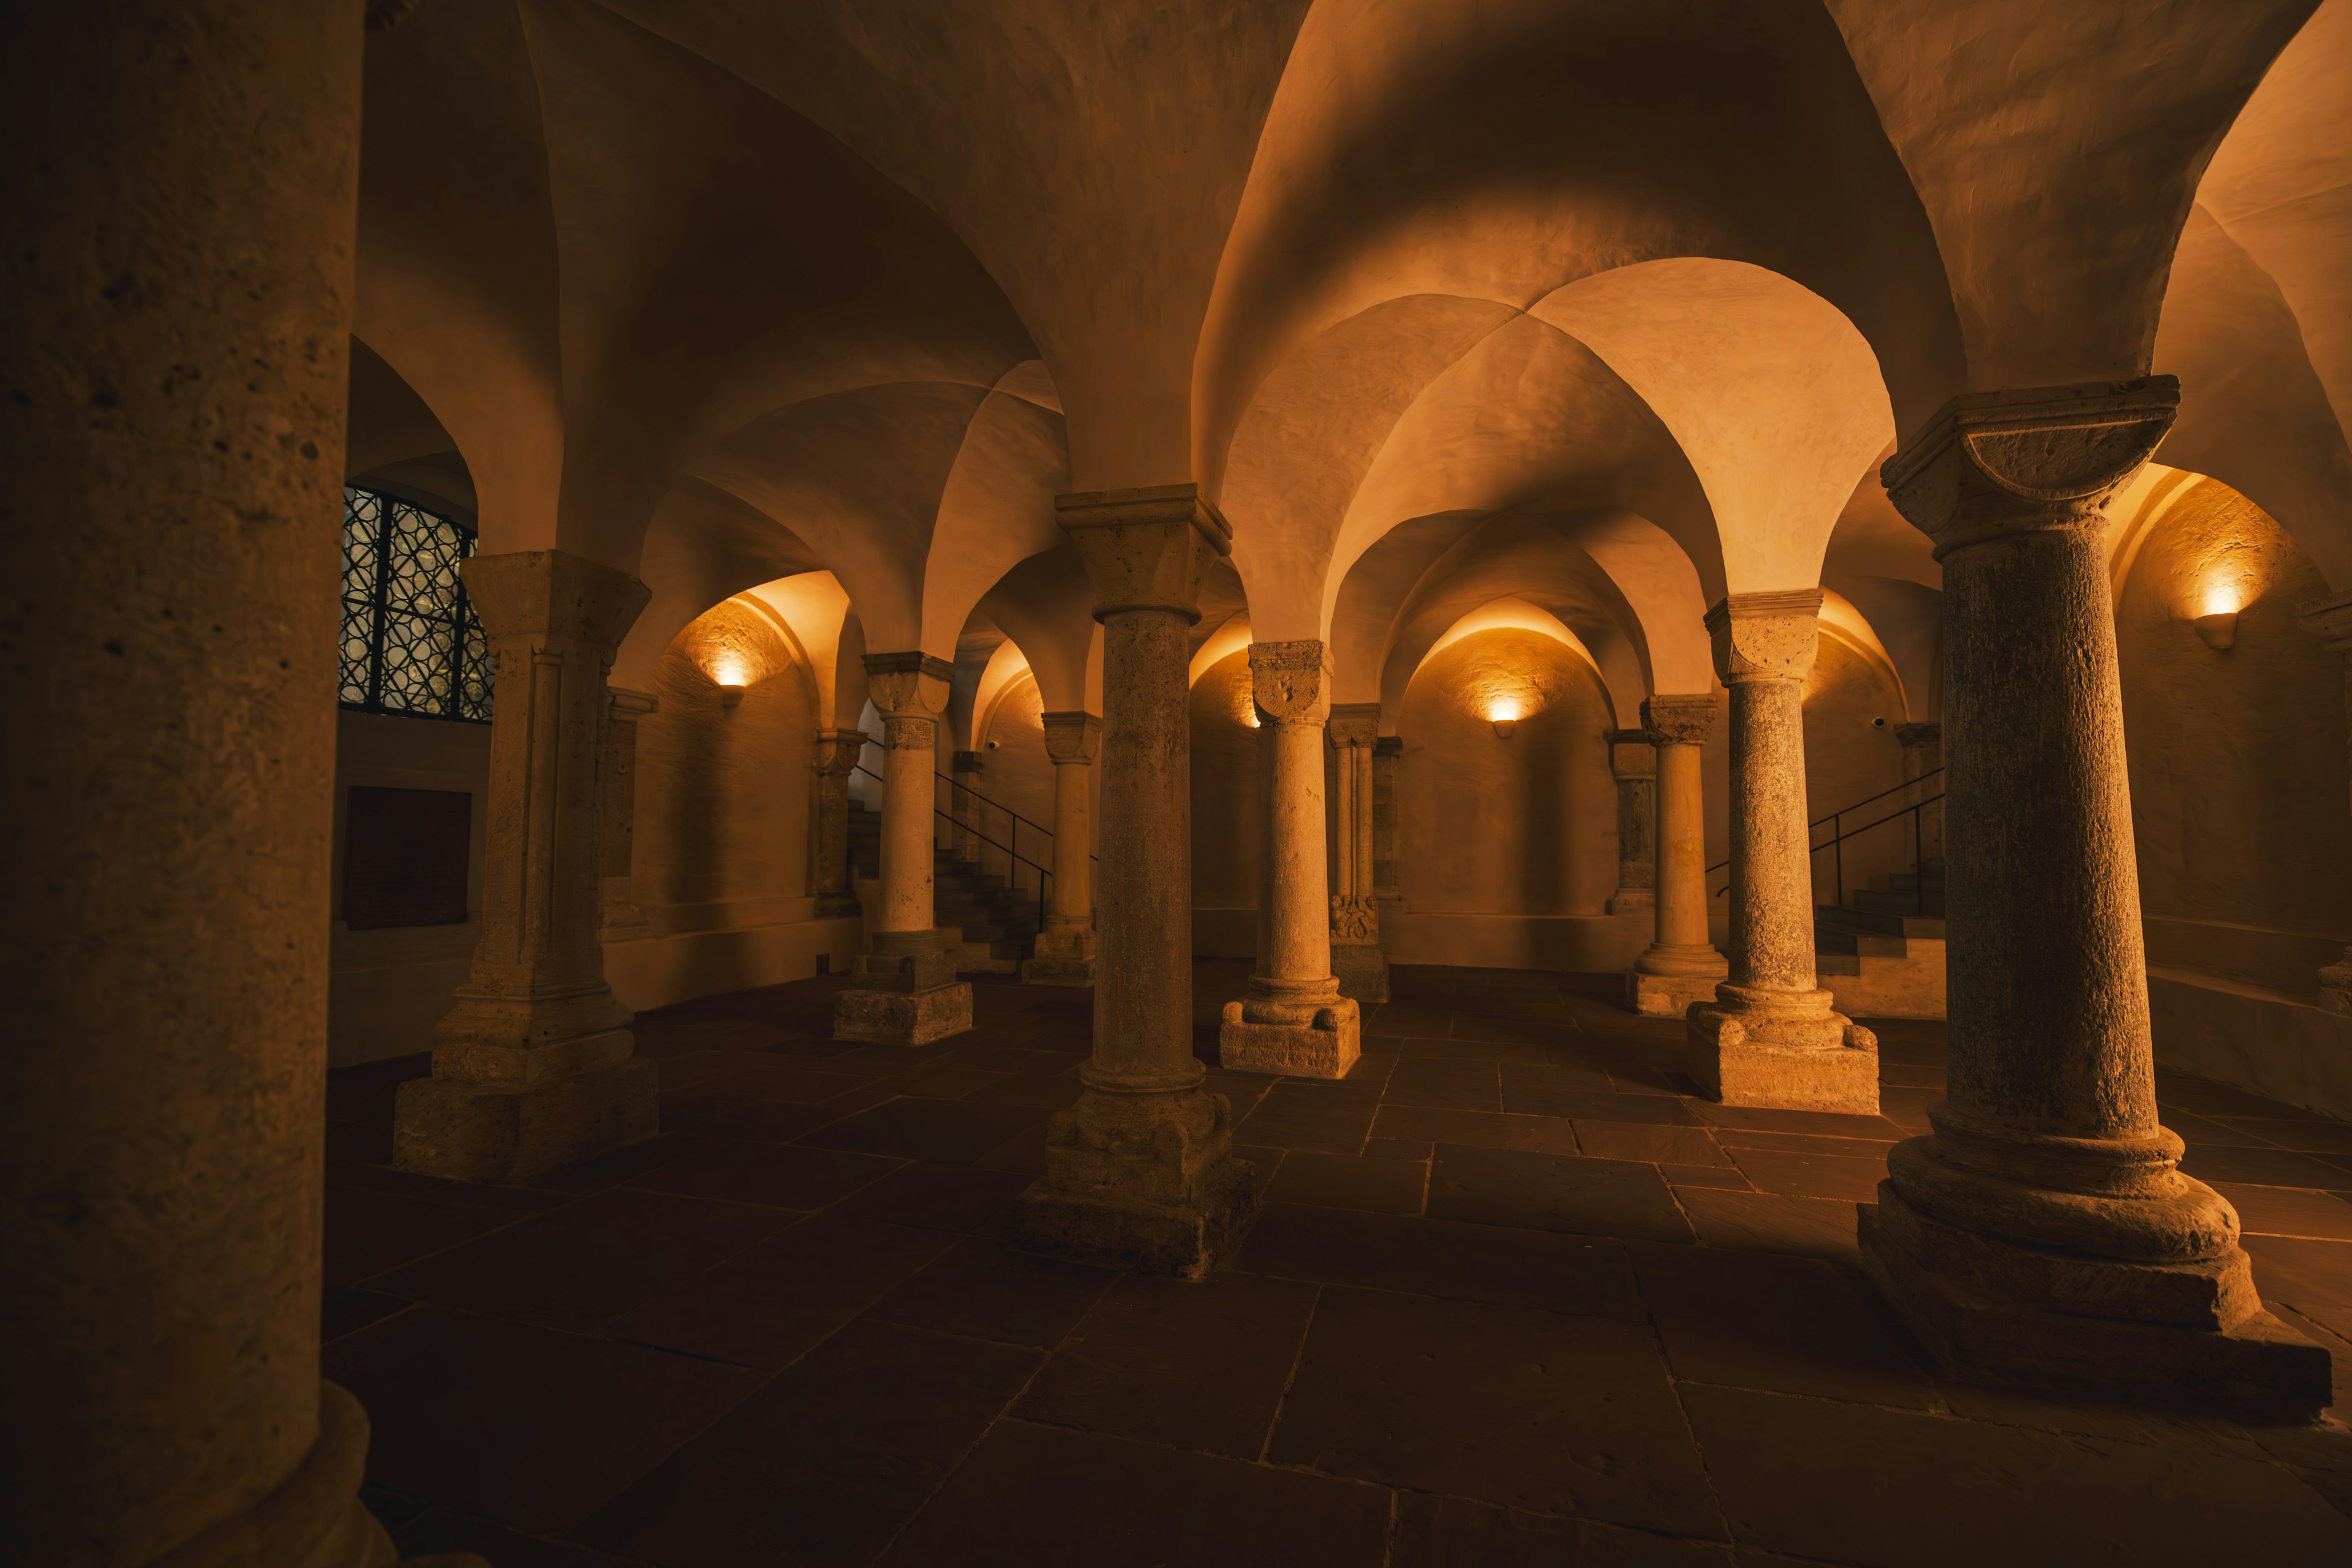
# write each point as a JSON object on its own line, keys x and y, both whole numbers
{"x": 1981, "y": 1304}
{"x": 1042, "y": 970}
{"x": 1325, "y": 1044}
{"x": 464, "y": 1130}
{"x": 1065, "y": 954}
{"x": 1632, "y": 900}
{"x": 901, "y": 1018}
{"x": 1782, "y": 1051}
{"x": 1665, "y": 980}
{"x": 1140, "y": 1181}
{"x": 1362, "y": 972}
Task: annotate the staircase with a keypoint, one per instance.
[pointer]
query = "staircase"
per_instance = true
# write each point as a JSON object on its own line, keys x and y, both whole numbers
{"x": 998, "y": 921}
{"x": 1883, "y": 954}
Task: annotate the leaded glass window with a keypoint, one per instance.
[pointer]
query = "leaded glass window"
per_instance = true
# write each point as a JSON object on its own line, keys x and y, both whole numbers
{"x": 411, "y": 643}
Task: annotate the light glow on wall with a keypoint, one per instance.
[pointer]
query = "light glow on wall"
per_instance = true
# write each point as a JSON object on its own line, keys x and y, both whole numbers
{"x": 728, "y": 668}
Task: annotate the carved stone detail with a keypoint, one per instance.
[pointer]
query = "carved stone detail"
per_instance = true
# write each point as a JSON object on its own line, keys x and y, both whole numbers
{"x": 1355, "y": 918}
{"x": 1684, "y": 721}
{"x": 909, "y": 734}
{"x": 1765, "y": 636}
{"x": 1911, "y": 735}
{"x": 1073, "y": 737}
{"x": 1291, "y": 681}
{"x": 1145, "y": 549}
{"x": 1353, "y": 724}
{"x": 910, "y": 685}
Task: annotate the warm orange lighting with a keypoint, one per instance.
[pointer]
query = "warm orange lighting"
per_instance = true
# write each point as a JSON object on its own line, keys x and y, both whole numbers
{"x": 2218, "y": 630}
{"x": 728, "y": 668}
{"x": 1503, "y": 727}
{"x": 2221, "y": 598}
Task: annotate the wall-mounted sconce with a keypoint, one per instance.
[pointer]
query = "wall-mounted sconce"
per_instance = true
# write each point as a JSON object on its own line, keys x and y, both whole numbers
{"x": 2218, "y": 631}
{"x": 730, "y": 694}
{"x": 1503, "y": 726}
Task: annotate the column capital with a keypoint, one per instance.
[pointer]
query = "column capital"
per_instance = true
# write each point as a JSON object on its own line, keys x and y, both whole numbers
{"x": 553, "y": 593}
{"x": 1678, "y": 721}
{"x": 912, "y": 684}
{"x": 1631, "y": 755}
{"x": 629, "y": 706}
{"x": 1765, "y": 636}
{"x": 1291, "y": 681}
{"x": 1993, "y": 463}
{"x": 836, "y": 752}
{"x": 1073, "y": 737}
{"x": 1923, "y": 734}
{"x": 2329, "y": 620}
{"x": 1389, "y": 746}
{"x": 1354, "y": 724}
{"x": 1145, "y": 549}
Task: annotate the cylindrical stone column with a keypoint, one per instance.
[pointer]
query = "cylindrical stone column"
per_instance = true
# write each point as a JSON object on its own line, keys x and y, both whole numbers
{"x": 2330, "y": 620}
{"x": 1634, "y": 764}
{"x": 1922, "y": 754}
{"x": 1358, "y": 961}
{"x": 182, "y": 184}
{"x": 1771, "y": 1036}
{"x": 1386, "y": 887}
{"x": 625, "y": 919}
{"x": 1292, "y": 1020}
{"x": 1066, "y": 948}
{"x": 904, "y": 991}
{"x": 830, "y": 761}
{"x": 1681, "y": 965}
{"x": 964, "y": 770}
{"x": 2041, "y": 1233}
{"x": 1140, "y": 1170}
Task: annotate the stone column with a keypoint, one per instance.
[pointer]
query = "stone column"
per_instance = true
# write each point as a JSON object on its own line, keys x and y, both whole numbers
{"x": 1140, "y": 1171}
{"x": 182, "y": 182}
{"x": 830, "y": 761}
{"x": 1293, "y": 1020}
{"x": 1681, "y": 965}
{"x": 1922, "y": 754}
{"x": 1066, "y": 948}
{"x": 965, "y": 769}
{"x": 625, "y": 919}
{"x": 1386, "y": 887}
{"x": 906, "y": 993}
{"x": 1634, "y": 764}
{"x": 1771, "y": 1036}
{"x": 2041, "y": 1233}
{"x": 1357, "y": 959}
{"x": 2330, "y": 620}
{"x": 532, "y": 1070}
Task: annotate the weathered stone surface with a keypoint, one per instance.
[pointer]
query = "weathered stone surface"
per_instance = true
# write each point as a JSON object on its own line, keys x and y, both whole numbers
{"x": 1787, "y": 1050}
{"x": 909, "y": 1018}
{"x": 465, "y": 1131}
{"x": 1362, "y": 971}
{"x": 1064, "y": 950}
{"x": 1681, "y": 965}
{"x": 1143, "y": 1181}
{"x": 1327, "y": 1045}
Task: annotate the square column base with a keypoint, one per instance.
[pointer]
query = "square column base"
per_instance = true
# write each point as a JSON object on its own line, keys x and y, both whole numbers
{"x": 1326, "y": 1047}
{"x": 1144, "y": 1180}
{"x": 1362, "y": 972}
{"x": 1667, "y": 995}
{"x": 1783, "y": 1064}
{"x": 2258, "y": 1370}
{"x": 466, "y": 1131}
{"x": 1186, "y": 1239}
{"x": 1632, "y": 900}
{"x": 891, "y": 1017}
{"x": 1043, "y": 971}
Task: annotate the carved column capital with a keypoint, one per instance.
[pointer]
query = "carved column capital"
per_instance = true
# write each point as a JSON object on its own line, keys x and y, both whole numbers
{"x": 1145, "y": 549}
{"x": 1678, "y": 721}
{"x": 1632, "y": 755}
{"x": 836, "y": 752}
{"x": 628, "y": 707}
{"x": 555, "y": 596}
{"x": 1765, "y": 636}
{"x": 1993, "y": 463}
{"x": 1075, "y": 737}
{"x": 1353, "y": 724}
{"x": 1291, "y": 681}
{"x": 911, "y": 685}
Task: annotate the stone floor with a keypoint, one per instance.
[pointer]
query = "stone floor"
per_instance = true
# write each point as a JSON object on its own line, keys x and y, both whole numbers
{"x": 1514, "y": 1300}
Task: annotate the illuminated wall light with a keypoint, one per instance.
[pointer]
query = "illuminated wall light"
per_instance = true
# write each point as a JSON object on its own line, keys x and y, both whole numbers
{"x": 731, "y": 673}
{"x": 1505, "y": 714}
{"x": 2217, "y": 618}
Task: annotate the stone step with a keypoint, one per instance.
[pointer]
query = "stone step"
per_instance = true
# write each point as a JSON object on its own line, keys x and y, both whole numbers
{"x": 1896, "y": 924}
{"x": 1881, "y": 901}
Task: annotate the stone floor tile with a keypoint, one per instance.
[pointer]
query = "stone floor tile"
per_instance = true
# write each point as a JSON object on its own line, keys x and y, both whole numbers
{"x": 760, "y": 1120}
{"x": 781, "y": 1175}
{"x": 439, "y": 1530}
{"x": 1466, "y": 1262}
{"x": 1911, "y": 1074}
{"x": 346, "y": 1309}
{"x": 1634, "y": 1080}
{"x": 2186, "y": 1431}
{"x": 1811, "y": 1175}
{"x": 1351, "y": 1182}
{"x": 1527, "y": 1191}
{"x": 1032, "y": 1495}
{"x": 1636, "y": 1110}
{"x": 1444, "y": 1085}
{"x": 1397, "y": 1148}
{"x": 1684, "y": 1146}
{"x": 772, "y": 1077}
{"x": 2289, "y": 1211}
{"x": 947, "y": 1131}
{"x": 2261, "y": 1167}
{"x": 1167, "y": 1360}
{"x": 1292, "y": 1116}
{"x": 1524, "y": 1408}
{"x": 577, "y": 1266}
{"x": 1806, "y": 1142}
{"x": 2313, "y": 1276}
{"x": 936, "y": 1197}
{"x": 1477, "y": 1024}
{"x": 1023, "y": 1154}
{"x": 1922, "y": 1491}
{"x": 1792, "y": 1325}
{"x": 369, "y": 1232}
{"x": 1526, "y": 1052}
{"x": 1725, "y": 1175}
{"x": 1048, "y": 1091}
{"x": 607, "y": 1171}
{"x": 1483, "y": 1129}
{"x": 1575, "y": 1076}
{"x": 2234, "y": 1134}
{"x": 827, "y": 1462}
{"x": 1028, "y": 1061}
{"x": 1823, "y": 1123}
{"x": 1457, "y": 1532}
{"x": 527, "y": 1426}
{"x": 767, "y": 1307}
{"x": 945, "y": 1080}
{"x": 2309, "y": 1137}
{"x": 1769, "y": 1222}
{"x": 2206, "y": 1097}
{"x": 1416, "y": 1020}
{"x": 984, "y": 1292}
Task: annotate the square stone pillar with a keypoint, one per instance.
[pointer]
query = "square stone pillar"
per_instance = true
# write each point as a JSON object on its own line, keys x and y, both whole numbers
{"x": 1634, "y": 764}
{"x": 964, "y": 771}
{"x": 2330, "y": 620}
{"x": 1293, "y": 1021}
{"x": 625, "y": 919}
{"x": 2041, "y": 1234}
{"x": 1357, "y": 959}
{"x": 1922, "y": 754}
{"x": 1065, "y": 949}
{"x": 1386, "y": 886}
{"x": 1681, "y": 965}
{"x": 904, "y": 991}
{"x": 830, "y": 761}
{"x": 532, "y": 1068}
{"x": 1140, "y": 1171}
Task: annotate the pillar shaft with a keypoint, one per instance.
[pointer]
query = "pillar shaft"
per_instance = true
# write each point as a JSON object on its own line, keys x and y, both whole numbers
{"x": 2330, "y": 619}
{"x": 966, "y": 769}
{"x": 2041, "y": 1233}
{"x": 1770, "y": 1037}
{"x": 830, "y": 761}
{"x": 908, "y": 860}
{"x": 1066, "y": 948}
{"x": 625, "y": 918}
{"x": 1358, "y": 962}
{"x": 1385, "y": 753}
{"x": 1922, "y": 754}
{"x": 1634, "y": 764}
{"x": 182, "y": 183}
{"x": 1681, "y": 965}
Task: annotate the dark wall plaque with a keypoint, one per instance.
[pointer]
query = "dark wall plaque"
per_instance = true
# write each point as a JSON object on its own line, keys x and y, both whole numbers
{"x": 406, "y": 856}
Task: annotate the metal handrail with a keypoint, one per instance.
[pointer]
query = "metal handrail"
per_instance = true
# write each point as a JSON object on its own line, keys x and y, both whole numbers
{"x": 1838, "y": 833}
{"x": 1045, "y": 873}
{"x": 1019, "y": 821}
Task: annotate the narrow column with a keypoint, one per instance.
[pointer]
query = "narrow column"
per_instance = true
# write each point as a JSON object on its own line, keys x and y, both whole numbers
{"x": 906, "y": 993}
{"x": 532, "y": 1067}
{"x": 625, "y": 919}
{"x": 1358, "y": 960}
{"x": 1922, "y": 754}
{"x": 1681, "y": 965}
{"x": 1066, "y": 948}
{"x": 1386, "y": 887}
{"x": 965, "y": 768}
{"x": 182, "y": 183}
{"x": 1142, "y": 1171}
{"x": 1634, "y": 764}
{"x": 2041, "y": 1233}
{"x": 1292, "y": 1020}
{"x": 2330, "y": 620}
{"x": 1771, "y": 1036}
{"x": 830, "y": 761}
